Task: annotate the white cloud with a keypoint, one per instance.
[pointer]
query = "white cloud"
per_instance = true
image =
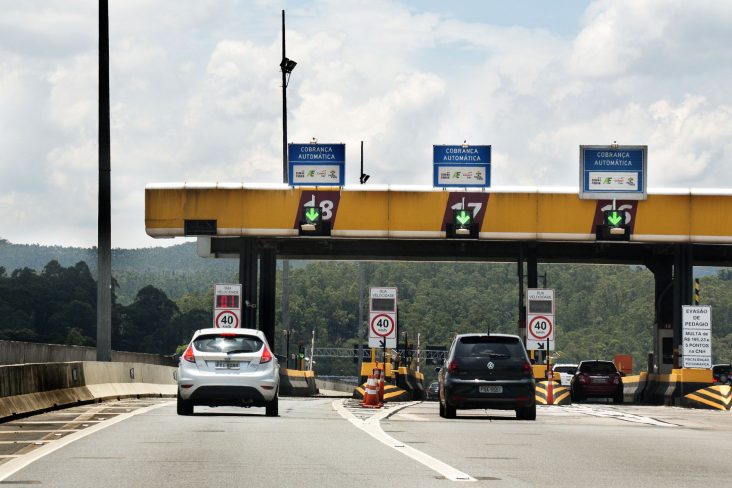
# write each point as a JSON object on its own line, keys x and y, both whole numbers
{"x": 196, "y": 95}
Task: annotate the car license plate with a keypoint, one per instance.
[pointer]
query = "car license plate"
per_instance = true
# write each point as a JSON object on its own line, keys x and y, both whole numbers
{"x": 599, "y": 379}
{"x": 490, "y": 389}
{"x": 226, "y": 365}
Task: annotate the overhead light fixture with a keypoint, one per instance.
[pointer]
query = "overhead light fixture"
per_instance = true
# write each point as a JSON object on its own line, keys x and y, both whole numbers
{"x": 287, "y": 65}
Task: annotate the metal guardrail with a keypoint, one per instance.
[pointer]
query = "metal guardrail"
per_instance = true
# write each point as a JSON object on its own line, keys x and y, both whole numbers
{"x": 433, "y": 355}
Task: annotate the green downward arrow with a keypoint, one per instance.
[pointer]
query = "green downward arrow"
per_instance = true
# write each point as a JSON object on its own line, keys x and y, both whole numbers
{"x": 463, "y": 217}
{"x": 614, "y": 218}
{"x": 312, "y": 214}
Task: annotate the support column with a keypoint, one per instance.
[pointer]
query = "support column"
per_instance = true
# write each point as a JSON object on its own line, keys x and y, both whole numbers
{"x": 532, "y": 281}
{"x": 248, "y": 280}
{"x": 268, "y": 277}
{"x": 662, "y": 269}
{"x": 532, "y": 269}
{"x": 683, "y": 291}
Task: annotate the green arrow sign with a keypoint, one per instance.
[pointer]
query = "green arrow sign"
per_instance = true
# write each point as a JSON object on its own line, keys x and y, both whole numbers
{"x": 312, "y": 215}
{"x": 614, "y": 218}
{"x": 463, "y": 217}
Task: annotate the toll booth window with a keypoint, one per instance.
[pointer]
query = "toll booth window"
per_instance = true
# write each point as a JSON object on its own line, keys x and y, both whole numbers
{"x": 383, "y": 305}
{"x": 227, "y": 301}
{"x": 540, "y": 306}
{"x": 667, "y": 350}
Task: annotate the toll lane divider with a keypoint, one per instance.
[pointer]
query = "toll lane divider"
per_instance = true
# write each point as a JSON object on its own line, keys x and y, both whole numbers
{"x": 561, "y": 394}
{"x": 692, "y": 388}
{"x": 297, "y": 383}
{"x": 718, "y": 397}
{"x": 392, "y": 393}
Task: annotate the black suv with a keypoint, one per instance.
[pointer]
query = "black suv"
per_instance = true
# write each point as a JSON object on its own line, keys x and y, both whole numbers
{"x": 722, "y": 373}
{"x": 487, "y": 371}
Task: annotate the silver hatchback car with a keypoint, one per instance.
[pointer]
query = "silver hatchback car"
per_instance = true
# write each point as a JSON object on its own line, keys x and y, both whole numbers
{"x": 228, "y": 367}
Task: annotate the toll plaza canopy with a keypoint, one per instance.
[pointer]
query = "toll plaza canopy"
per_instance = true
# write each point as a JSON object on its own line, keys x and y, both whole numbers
{"x": 669, "y": 232}
{"x": 400, "y": 212}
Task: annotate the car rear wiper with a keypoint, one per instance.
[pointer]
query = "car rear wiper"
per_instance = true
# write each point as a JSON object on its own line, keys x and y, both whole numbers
{"x": 500, "y": 356}
{"x": 237, "y": 351}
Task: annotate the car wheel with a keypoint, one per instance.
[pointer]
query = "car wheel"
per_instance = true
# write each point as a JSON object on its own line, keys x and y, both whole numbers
{"x": 618, "y": 398}
{"x": 576, "y": 396}
{"x": 272, "y": 408}
{"x": 450, "y": 411}
{"x": 526, "y": 413}
{"x": 184, "y": 407}
{"x": 442, "y": 409}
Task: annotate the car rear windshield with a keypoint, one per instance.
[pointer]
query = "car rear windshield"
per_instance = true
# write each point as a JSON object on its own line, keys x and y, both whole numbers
{"x": 489, "y": 347}
{"x": 598, "y": 367}
{"x": 565, "y": 369}
{"x": 227, "y": 343}
{"x": 724, "y": 369}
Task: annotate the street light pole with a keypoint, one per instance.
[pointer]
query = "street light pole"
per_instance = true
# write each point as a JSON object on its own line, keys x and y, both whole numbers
{"x": 283, "y": 65}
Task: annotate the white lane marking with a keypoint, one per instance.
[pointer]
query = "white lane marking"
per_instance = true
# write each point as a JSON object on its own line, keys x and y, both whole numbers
{"x": 373, "y": 428}
{"x": 33, "y": 431}
{"x": 43, "y": 422}
{"x": 411, "y": 416}
{"x": 13, "y": 466}
{"x": 597, "y": 411}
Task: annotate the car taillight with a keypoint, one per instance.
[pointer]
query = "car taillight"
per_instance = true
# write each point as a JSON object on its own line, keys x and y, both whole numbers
{"x": 584, "y": 379}
{"x": 528, "y": 369}
{"x": 188, "y": 355}
{"x": 452, "y": 367}
{"x": 228, "y": 334}
{"x": 266, "y": 356}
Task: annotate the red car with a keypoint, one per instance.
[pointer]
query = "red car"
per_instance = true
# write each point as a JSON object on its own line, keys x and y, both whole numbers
{"x": 597, "y": 379}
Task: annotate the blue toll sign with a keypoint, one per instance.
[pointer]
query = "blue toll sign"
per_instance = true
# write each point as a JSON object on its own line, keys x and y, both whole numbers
{"x": 461, "y": 166}
{"x": 317, "y": 164}
{"x": 613, "y": 172}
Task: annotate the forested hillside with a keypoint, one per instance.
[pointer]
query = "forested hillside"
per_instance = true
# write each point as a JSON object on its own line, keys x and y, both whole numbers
{"x": 601, "y": 310}
{"x": 177, "y": 270}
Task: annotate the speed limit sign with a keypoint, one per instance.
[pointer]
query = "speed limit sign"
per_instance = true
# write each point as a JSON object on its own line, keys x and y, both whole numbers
{"x": 227, "y": 319}
{"x": 382, "y": 328}
{"x": 541, "y": 328}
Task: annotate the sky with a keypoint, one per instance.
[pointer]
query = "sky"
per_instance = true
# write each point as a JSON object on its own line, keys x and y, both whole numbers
{"x": 196, "y": 95}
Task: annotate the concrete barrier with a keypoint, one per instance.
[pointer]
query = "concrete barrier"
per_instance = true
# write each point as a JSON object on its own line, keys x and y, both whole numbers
{"x": 297, "y": 383}
{"x": 334, "y": 385}
{"x": 634, "y": 387}
{"x": 16, "y": 352}
{"x": 29, "y": 388}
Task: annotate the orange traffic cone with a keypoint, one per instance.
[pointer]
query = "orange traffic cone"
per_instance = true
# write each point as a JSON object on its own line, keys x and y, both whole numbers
{"x": 371, "y": 395}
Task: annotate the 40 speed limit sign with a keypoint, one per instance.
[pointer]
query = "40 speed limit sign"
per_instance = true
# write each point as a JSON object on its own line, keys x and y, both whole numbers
{"x": 540, "y": 332}
{"x": 382, "y": 327}
{"x": 227, "y": 319}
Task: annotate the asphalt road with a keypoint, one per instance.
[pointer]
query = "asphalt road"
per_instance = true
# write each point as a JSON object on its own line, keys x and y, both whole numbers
{"x": 325, "y": 442}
